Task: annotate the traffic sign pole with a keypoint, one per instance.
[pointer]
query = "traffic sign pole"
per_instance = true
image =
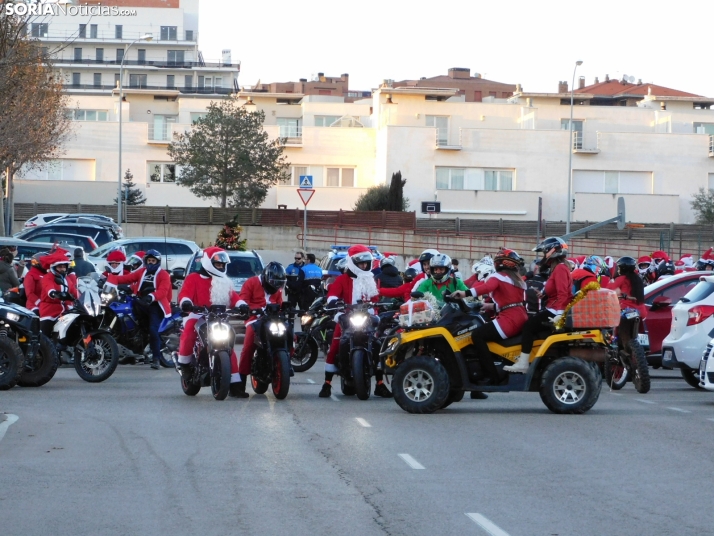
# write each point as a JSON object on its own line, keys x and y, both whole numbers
{"x": 305, "y": 196}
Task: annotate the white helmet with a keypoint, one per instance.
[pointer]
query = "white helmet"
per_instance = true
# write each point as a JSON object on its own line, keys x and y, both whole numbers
{"x": 440, "y": 261}
{"x": 484, "y": 268}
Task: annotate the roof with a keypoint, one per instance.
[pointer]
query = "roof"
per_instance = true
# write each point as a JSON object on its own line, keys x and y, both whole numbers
{"x": 612, "y": 88}
{"x": 448, "y": 79}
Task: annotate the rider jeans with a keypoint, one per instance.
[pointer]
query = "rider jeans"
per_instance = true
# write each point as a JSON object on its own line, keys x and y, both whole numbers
{"x": 531, "y": 328}
{"x": 156, "y": 315}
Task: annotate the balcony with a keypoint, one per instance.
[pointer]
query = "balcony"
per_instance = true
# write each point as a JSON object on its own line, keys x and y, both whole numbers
{"x": 72, "y": 36}
{"x": 578, "y": 147}
{"x": 161, "y": 134}
{"x": 444, "y": 143}
{"x": 711, "y": 146}
{"x": 186, "y": 90}
{"x": 163, "y": 64}
{"x": 291, "y": 136}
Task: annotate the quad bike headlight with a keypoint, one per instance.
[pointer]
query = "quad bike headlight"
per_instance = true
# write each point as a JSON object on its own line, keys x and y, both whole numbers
{"x": 220, "y": 332}
{"x": 277, "y": 328}
{"x": 12, "y": 317}
{"x": 359, "y": 320}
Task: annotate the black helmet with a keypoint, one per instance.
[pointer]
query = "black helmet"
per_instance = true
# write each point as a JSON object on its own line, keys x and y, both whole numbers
{"x": 409, "y": 275}
{"x": 626, "y": 265}
{"x": 507, "y": 259}
{"x": 273, "y": 277}
{"x": 427, "y": 254}
{"x": 152, "y": 253}
{"x": 552, "y": 247}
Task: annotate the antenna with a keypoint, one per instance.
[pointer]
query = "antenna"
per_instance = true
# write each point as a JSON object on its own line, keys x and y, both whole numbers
{"x": 631, "y": 79}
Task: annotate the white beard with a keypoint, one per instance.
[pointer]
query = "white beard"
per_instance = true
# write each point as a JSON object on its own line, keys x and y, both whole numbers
{"x": 363, "y": 287}
{"x": 221, "y": 288}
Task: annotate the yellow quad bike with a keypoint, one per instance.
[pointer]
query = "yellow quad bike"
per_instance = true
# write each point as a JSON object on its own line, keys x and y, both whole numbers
{"x": 435, "y": 363}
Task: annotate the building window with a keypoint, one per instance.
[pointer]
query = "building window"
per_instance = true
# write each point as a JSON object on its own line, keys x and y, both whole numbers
{"x": 188, "y": 81}
{"x": 76, "y": 78}
{"x": 711, "y": 182}
{"x": 474, "y": 179}
{"x": 290, "y": 127}
{"x": 160, "y": 172}
{"x": 612, "y": 182}
{"x": 170, "y": 84}
{"x": 89, "y": 115}
{"x": 39, "y": 29}
{"x": 118, "y": 31}
{"x": 577, "y": 131}
{"x": 295, "y": 173}
{"x": 141, "y": 56}
{"x": 195, "y": 116}
{"x": 83, "y": 30}
{"x": 93, "y": 31}
{"x": 704, "y": 128}
{"x": 168, "y": 33}
{"x": 160, "y": 129}
{"x": 200, "y": 81}
{"x": 189, "y": 35}
{"x": 116, "y": 79}
{"x": 441, "y": 123}
{"x": 77, "y": 54}
{"x": 120, "y": 55}
{"x": 326, "y": 120}
{"x": 207, "y": 82}
{"x": 175, "y": 57}
{"x": 492, "y": 94}
{"x": 344, "y": 177}
{"x": 66, "y": 169}
{"x": 97, "y": 79}
{"x": 99, "y": 55}
{"x": 137, "y": 80}
{"x": 218, "y": 82}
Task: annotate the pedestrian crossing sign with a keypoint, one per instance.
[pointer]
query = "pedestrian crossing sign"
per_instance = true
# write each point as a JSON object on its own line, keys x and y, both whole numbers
{"x": 305, "y": 181}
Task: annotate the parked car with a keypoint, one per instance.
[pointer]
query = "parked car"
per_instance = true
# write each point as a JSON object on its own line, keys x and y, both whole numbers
{"x": 65, "y": 240}
{"x": 706, "y": 368}
{"x": 692, "y": 329}
{"x": 660, "y": 297}
{"x": 175, "y": 252}
{"x": 100, "y": 234}
{"x": 25, "y": 250}
{"x": 93, "y": 219}
{"x": 42, "y": 219}
{"x": 243, "y": 265}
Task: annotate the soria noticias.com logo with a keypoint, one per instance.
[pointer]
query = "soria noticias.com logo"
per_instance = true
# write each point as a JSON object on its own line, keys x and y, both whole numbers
{"x": 64, "y": 7}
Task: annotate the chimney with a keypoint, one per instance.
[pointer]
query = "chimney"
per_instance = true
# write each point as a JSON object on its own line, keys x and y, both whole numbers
{"x": 607, "y": 78}
{"x": 597, "y": 80}
{"x": 563, "y": 87}
{"x": 581, "y": 82}
{"x": 321, "y": 77}
{"x": 345, "y": 77}
{"x": 639, "y": 82}
{"x": 303, "y": 80}
{"x": 460, "y": 72}
{"x": 519, "y": 88}
{"x": 624, "y": 79}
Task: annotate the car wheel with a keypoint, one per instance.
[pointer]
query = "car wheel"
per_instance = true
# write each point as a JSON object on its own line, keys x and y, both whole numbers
{"x": 691, "y": 377}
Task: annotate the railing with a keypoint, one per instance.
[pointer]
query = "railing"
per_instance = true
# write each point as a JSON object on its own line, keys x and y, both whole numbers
{"x": 577, "y": 140}
{"x": 162, "y": 132}
{"x": 128, "y": 37}
{"x": 151, "y": 63}
{"x": 711, "y": 144}
{"x": 291, "y": 134}
{"x": 188, "y": 90}
{"x": 442, "y": 137}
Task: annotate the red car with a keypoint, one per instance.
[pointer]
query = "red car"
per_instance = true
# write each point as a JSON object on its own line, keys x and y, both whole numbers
{"x": 659, "y": 299}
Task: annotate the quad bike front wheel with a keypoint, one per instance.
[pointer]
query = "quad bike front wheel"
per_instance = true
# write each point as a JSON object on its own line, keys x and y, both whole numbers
{"x": 42, "y": 368}
{"x": 420, "y": 385}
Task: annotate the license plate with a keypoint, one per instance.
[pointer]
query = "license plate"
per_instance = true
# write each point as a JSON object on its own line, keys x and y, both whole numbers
{"x": 643, "y": 339}
{"x": 631, "y": 315}
{"x": 667, "y": 355}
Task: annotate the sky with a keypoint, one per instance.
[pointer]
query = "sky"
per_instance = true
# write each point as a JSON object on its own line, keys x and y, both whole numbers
{"x": 535, "y": 44}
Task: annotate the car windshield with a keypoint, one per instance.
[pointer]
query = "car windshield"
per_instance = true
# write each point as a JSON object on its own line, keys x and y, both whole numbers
{"x": 101, "y": 251}
{"x": 704, "y": 289}
{"x": 240, "y": 267}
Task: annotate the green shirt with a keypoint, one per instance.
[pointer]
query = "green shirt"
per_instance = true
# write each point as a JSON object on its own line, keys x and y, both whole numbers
{"x": 437, "y": 289}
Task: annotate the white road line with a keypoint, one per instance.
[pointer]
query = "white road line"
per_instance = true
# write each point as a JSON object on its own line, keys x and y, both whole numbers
{"x": 4, "y": 425}
{"x": 363, "y": 422}
{"x": 333, "y": 397}
{"x": 644, "y": 401}
{"x": 680, "y": 410}
{"x": 411, "y": 462}
{"x": 487, "y": 525}
{"x": 711, "y": 420}
{"x": 310, "y": 381}
{"x": 615, "y": 394}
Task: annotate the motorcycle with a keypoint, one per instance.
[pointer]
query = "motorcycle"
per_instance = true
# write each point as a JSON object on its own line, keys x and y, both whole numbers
{"x": 79, "y": 336}
{"x": 317, "y": 329}
{"x": 270, "y": 364}
{"x": 212, "y": 353}
{"x": 626, "y": 357}
{"x": 121, "y": 321}
{"x": 27, "y": 358}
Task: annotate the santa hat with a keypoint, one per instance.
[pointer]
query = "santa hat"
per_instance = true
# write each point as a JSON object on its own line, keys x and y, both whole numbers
{"x": 644, "y": 259}
{"x": 708, "y": 255}
{"x": 687, "y": 260}
{"x": 363, "y": 286}
{"x": 416, "y": 265}
{"x": 116, "y": 256}
{"x": 206, "y": 263}
{"x": 54, "y": 259}
{"x": 357, "y": 248}
{"x": 661, "y": 255}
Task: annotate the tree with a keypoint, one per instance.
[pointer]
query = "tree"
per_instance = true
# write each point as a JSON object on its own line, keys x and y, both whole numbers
{"x": 703, "y": 205}
{"x": 130, "y": 194}
{"x": 227, "y": 156}
{"x": 396, "y": 201}
{"x": 229, "y": 237}
{"x": 384, "y": 197}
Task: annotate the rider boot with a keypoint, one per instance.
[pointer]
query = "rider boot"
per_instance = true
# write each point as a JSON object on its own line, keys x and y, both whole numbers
{"x": 381, "y": 389}
{"x": 520, "y": 366}
{"x": 478, "y": 395}
{"x": 237, "y": 389}
{"x": 156, "y": 364}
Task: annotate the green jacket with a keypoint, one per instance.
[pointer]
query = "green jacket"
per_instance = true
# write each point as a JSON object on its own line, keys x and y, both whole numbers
{"x": 437, "y": 289}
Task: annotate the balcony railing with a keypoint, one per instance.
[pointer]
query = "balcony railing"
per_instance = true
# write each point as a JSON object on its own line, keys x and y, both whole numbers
{"x": 149, "y": 63}
{"x": 711, "y": 145}
{"x": 577, "y": 140}
{"x": 291, "y": 134}
{"x": 161, "y": 132}
{"x": 187, "y": 90}
{"x": 73, "y": 36}
{"x": 443, "y": 141}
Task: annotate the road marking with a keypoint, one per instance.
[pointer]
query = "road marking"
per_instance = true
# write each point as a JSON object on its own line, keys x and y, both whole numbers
{"x": 363, "y": 422}
{"x": 644, "y": 401}
{"x": 333, "y": 397}
{"x": 310, "y": 381}
{"x": 4, "y": 425}
{"x": 411, "y": 462}
{"x": 711, "y": 420}
{"x": 615, "y": 394}
{"x": 680, "y": 410}
{"x": 487, "y": 525}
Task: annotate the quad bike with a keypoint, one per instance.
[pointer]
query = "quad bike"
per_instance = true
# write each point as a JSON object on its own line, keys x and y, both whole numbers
{"x": 434, "y": 363}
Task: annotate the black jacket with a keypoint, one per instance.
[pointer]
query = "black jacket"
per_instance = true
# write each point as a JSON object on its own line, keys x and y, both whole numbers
{"x": 389, "y": 277}
{"x": 82, "y": 267}
{"x": 8, "y": 277}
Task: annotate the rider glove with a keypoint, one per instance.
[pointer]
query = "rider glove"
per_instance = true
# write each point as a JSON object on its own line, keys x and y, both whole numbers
{"x": 186, "y": 306}
{"x": 243, "y": 309}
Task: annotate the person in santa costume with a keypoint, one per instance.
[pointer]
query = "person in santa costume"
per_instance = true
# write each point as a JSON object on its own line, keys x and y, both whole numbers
{"x": 256, "y": 293}
{"x": 706, "y": 262}
{"x": 152, "y": 285}
{"x": 115, "y": 263}
{"x": 33, "y": 283}
{"x": 422, "y": 266}
{"x": 135, "y": 261}
{"x": 58, "y": 291}
{"x": 357, "y": 283}
{"x": 209, "y": 286}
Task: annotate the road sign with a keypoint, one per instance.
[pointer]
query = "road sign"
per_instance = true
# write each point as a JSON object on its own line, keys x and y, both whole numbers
{"x": 305, "y": 195}
{"x": 305, "y": 181}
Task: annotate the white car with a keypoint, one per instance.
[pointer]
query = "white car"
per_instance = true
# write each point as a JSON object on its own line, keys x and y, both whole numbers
{"x": 42, "y": 219}
{"x": 175, "y": 252}
{"x": 706, "y": 368}
{"x": 692, "y": 329}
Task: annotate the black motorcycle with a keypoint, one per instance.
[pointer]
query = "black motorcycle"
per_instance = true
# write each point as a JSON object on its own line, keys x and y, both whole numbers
{"x": 626, "y": 357}
{"x": 27, "y": 358}
{"x": 212, "y": 353}
{"x": 273, "y": 337}
{"x": 79, "y": 336}
{"x": 317, "y": 329}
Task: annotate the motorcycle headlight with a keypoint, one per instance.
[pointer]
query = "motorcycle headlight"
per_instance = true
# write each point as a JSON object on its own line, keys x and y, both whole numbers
{"x": 220, "y": 332}
{"x": 306, "y": 320}
{"x": 12, "y": 317}
{"x": 277, "y": 328}
{"x": 106, "y": 298}
{"x": 358, "y": 320}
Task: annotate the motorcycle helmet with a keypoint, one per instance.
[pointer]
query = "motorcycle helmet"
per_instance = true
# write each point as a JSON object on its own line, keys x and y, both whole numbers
{"x": 342, "y": 265}
{"x": 702, "y": 264}
{"x": 152, "y": 254}
{"x": 212, "y": 256}
{"x": 35, "y": 261}
{"x": 552, "y": 248}
{"x": 643, "y": 263}
{"x": 135, "y": 261}
{"x": 115, "y": 261}
{"x": 273, "y": 277}
{"x": 409, "y": 275}
{"x": 483, "y": 268}
{"x": 359, "y": 255}
{"x": 659, "y": 256}
{"x": 507, "y": 259}
{"x": 594, "y": 265}
{"x": 54, "y": 260}
{"x": 626, "y": 265}
{"x": 440, "y": 267}
{"x": 426, "y": 256}
{"x": 387, "y": 260}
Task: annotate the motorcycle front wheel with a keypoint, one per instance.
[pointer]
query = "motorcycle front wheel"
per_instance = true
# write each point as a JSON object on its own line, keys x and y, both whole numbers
{"x": 98, "y": 360}
{"x": 640, "y": 368}
{"x": 221, "y": 376}
{"x": 305, "y": 354}
{"x": 362, "y": 374}
{"x": 615, "y": 373}
{"x": 281, "y": 374}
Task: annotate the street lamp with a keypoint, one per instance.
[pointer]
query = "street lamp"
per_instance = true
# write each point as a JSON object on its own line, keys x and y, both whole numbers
{"x": 569, "y": 206}
{"x": 145, "y": 37}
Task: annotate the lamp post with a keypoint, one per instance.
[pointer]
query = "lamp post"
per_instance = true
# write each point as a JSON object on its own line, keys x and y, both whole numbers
{"x": 145, "y": 37}
{"x": 569, "y": 206}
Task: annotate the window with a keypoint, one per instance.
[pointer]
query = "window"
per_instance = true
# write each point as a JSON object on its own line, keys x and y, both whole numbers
{"x": 711, "y": 181}
{"x": 295, "y": 173}
{"x": 577, "y": 131}
{"x": 189, "y": 35}
{"x": 77, "y": 54}
{"x": 97, "y": 79}
{"x": 179, "y": 249}
{"x": 160, "y": 129}
{"x": 76, "y": 78}
{"x": 175, "y": 57}
{"x": 612, "y": 182}
{"x": 39, "y": 29}
{"x": 441, "y": 122}
{"x": 89, "y": 115}
{"x": 83, "y": 30}
{"x": 492, "y": 94}
{"x": 290, "y": 127}
{"x": 159, "y": 172}
{"x": 64, "y": 169}
{"x": 168, "y": 33}
{"x": 118, "y": 31}
{"x": 116, "y": 79}
{"x": 200, "y": 81}
{"x": 474, "y": 179}
{"x": 340, "y": 177}
{"x": 195, "y": 116}
{"x": 170, "y": 81}
{"x": 218, "y": 82}
{"x": 326, "y": 120}
{"x": 137, "y": 80}
{"x": 674, "y": 292}
{"x": 120, "y": 55}
{"x": 141, "y": 55}
{"x": 99, "y": 55}
{"x": 207, "y": 82}
{"x": 188, "y": 81}
{"x": 93, "y": 31}
{"x": 704, "y": 128}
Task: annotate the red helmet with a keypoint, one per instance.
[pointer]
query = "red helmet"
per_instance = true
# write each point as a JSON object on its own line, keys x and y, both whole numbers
{"x": 507, "y": 259}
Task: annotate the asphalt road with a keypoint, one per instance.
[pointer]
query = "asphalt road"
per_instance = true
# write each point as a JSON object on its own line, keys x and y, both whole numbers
{"x": 134, "y": 455}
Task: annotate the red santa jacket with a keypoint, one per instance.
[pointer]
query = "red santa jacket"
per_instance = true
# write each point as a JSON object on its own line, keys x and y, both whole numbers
{"x": 254, "y": 296}
{"x": 162, "y": 284}
{"x": 33, "y": 287}
{"x": 52, "y": 308}
{"x": 509, "y": 300}
{"x": 404, "y": 291}
{"x": 559, "y": 289}
{"x": 197, "y": 289}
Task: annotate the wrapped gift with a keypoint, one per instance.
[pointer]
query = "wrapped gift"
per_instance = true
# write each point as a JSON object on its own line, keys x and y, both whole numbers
{"x": 597, "y": 309}
{"x": 415, "y": 312}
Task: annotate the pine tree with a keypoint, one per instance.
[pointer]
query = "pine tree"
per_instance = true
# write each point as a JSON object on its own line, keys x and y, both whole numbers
{"x": 131, "y": 195}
